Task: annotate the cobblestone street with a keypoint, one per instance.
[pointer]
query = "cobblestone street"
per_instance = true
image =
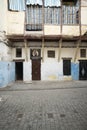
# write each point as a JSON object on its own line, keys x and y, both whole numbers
{"x": 44, "y": 106}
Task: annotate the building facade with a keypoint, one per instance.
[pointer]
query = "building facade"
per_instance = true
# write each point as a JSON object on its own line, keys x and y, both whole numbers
{"x": 43, "y": 40}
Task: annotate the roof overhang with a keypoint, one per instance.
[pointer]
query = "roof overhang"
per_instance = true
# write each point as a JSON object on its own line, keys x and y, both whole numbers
{"x": 21, "y": 38}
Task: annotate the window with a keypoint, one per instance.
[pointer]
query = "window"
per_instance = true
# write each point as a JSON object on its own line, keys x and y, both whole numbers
{"x": 83, "y": 53}
{"x": 51, "y": 54}
{"x": 66, "y": 66}
{"x": 34, "y": 18}
{"x": 52, "y": 11}
{"x": 16, "y": 5}
{"x": 52, "y": 15}
{"x": 70, "y": 12}
{"x": 18, "y": 52}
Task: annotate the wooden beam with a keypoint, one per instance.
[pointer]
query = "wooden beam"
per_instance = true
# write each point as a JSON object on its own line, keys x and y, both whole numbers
{"x": 59, "y": 49}
{"x": 77, "y": 48}
{"x": 42, "y": 49}
{"x": 26, "y": 53}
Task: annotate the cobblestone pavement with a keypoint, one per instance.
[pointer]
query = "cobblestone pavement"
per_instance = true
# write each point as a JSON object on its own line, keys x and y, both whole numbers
{"x": 44, "y": 106}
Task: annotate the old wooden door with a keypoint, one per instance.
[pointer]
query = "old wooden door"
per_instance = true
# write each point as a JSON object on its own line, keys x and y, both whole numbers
{"x": 83, "y": 69}
{"x": 36, "y": 69}
{"x": 19, "y": 70}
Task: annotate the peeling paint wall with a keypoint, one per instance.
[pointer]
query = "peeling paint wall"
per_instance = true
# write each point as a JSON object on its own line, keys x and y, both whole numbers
{"x": 5, "y": 52}
{"x": 7, "y": 73}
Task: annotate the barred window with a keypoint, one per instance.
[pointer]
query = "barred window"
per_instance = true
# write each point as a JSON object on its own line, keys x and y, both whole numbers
{"x": 51, "y": 54}
{"x": 83, "y": 53}
{"x": 18, "y": 52}
{"x": 34, "y": 18}
{"x": 70, "y": 12}
{"x": 52, "y": 15}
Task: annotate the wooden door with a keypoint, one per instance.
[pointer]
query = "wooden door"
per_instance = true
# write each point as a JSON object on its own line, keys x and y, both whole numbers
{"x": 36, "y": 69}
{"x": 19, "y": 70}
{"x": 83, "y": 70}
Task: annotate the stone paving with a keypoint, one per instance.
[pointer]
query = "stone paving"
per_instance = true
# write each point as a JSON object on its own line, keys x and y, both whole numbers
{"x": 44, "y": 106}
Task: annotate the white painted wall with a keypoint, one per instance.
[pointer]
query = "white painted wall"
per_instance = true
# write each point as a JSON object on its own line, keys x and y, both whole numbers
{"x": 51, "y": 70}
{"x": 83, "y": 15}
{"x": 27, "y": 71}
{"x": 14, "y": 54}
{"x": 51, "y": 29}
{"x": 70, "y": 30}
{"x": 3, "y": 15}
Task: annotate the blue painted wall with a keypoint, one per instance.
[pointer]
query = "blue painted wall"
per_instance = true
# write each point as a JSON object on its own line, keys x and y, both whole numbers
{"x": 75, "y": 71}
{"x": 7, "y": 73}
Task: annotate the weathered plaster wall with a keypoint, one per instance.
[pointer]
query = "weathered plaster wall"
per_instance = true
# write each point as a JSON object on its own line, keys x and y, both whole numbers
{"x": 15, "y": 22}
{"x": 71, "y": 30}
{"x": 3, "y": 15}
{"x": 14, "y": 54}
{"x": 83, "y": 29}
{"x": 5, "y": 52}
{"x": 7, "y": 73}
{"x": 83, "y": 15}
{"x": 52, "y": 30}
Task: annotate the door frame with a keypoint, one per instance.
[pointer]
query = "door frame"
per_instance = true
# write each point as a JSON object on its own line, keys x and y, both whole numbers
{"x": 35, "y": 73}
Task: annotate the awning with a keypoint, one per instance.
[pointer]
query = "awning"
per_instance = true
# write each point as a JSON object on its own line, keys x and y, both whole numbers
{"x": 17, "y": 5}
{"x": 49, "y": 3}
{"x": 34, "y": 2}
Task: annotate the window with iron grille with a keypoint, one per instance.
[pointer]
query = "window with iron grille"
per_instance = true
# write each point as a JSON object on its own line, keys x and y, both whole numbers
{"x": 34, "y": 18}
{"x": 18, "y": 52}
{"x": 52, "y": 15}
{"x": 51, "y": 54}
{"x": 83, "y": 53}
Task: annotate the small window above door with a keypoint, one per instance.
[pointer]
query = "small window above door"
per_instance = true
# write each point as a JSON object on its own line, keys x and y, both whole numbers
{"x": 18, "y": 52}
{"x": 51, "y": 54}
{"x": 83, "y": 53}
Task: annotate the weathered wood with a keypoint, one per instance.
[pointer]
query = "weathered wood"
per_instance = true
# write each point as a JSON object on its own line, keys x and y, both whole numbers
{"x": 59, "y": 49}
{"x": 26, "y": 53}
{"x": 42, "y": 49}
